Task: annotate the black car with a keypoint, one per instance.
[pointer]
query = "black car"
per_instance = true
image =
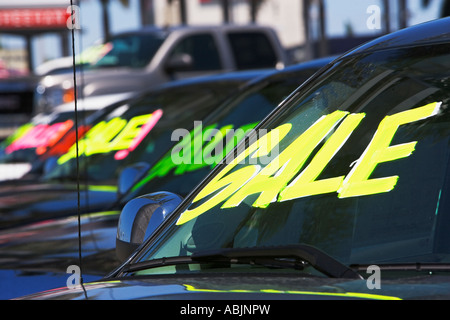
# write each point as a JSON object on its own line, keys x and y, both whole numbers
{"x": 109, "y": 145}
{"x": 56, "y": 240}
{"x": 343, "y": 195}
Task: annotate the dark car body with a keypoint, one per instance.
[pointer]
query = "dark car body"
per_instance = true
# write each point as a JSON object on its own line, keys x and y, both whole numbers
{"x": 372, "y": 224}
{"x": 55, "y": 193}
{"x": 238, "y": 109}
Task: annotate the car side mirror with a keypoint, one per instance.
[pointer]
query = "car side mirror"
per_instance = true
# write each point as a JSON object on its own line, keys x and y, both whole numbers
{"x": 130, "y": 175}
{"x": 179, "y": 62}
{"x": 140, "y": 217}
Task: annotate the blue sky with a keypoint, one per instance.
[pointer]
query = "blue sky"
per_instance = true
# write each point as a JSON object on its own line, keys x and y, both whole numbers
{"x": 340, "y": 12}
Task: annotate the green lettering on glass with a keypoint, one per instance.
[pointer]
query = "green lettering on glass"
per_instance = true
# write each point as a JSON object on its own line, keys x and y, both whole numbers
{"x": 198, "y": 149}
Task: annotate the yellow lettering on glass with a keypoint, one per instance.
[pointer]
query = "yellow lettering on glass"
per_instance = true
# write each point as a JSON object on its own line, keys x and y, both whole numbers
{"x": 271, "y": 181}
{"x": 357, "y": 182}
{"x": 99, "y": 142}
{"x": 277, "y": 174}
{"x": 231, "y": 182}
{"x": 306, "y": 184}
{"x": 94, "y": 140}
{"x": 124, "y": 139}
{"x": 116, "y": 134}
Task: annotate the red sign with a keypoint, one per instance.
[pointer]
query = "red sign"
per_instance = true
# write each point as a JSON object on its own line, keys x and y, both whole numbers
{"x": 48, "y": 18}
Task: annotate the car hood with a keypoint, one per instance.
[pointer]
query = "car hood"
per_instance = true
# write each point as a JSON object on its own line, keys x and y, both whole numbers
{"x": 34, "y": 260}
{"x": 35, "y": 202}
{"x": 36, "y": 257}
{"x": 249, "y": 287}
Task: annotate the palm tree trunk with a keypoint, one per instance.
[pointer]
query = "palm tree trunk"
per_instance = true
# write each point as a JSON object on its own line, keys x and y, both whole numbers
{"x": 402, "y": 14}
{"x": 386, "y": 16}
{"x": 306, "y": 26}
{"x": 445, "y": 11}
{"x": 105, "y": 19}
{"x": 323, "y": 51}
{"x": 146, "y": 12}
{"x": 226, "y": 10}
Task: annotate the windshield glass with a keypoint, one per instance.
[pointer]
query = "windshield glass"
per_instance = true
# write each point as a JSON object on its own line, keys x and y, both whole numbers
{"x": 187, "y": 162}
{"x": 36, "y": 137}
{"x": 139, "y": 130}
{"x": 134, "y": 51}
{"x": 360, "y": 170}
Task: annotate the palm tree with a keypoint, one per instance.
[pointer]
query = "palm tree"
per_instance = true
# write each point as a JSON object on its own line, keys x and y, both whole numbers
{"x": 445, "y": 7}
{"x": 105, "y": 16}
{"x": 386, "y": 16}
{"x": 146, "y": 11}
{"x": 307, "y": 24}
{"x": 254, "y": 8}
{"x": 225, "y": 10}
{"x": 402, "y": 14}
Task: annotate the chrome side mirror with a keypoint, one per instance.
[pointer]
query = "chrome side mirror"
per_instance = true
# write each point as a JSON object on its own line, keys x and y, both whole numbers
{"x": 140, "y": 217}
{"x": 130, "y": 175}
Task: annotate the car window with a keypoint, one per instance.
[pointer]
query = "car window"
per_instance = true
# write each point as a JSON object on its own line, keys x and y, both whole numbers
{"x": 205, "y": 145}
{"x": 252, "y": 50}
{"x": 355, "y": 164}
{"x": 133, "y": 51}
{"x": 203, "y": 50}
{"x": 121, "y": 137}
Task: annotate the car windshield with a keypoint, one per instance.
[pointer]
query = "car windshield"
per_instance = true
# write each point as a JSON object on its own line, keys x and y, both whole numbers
{"x": 139, "y": 131}
{"x": 134, "y": 51}
{"x": 360, "y": 170}
{"x": 228, "y": 124}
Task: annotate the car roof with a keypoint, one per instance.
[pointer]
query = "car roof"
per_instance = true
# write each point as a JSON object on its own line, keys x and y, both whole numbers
{"x": 166, "y": 30}
{"x": 432, "y": 32}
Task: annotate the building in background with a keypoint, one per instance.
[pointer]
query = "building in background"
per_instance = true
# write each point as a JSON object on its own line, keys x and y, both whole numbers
{"x": 32, "y": 18}
{"x": 300, "y": 24}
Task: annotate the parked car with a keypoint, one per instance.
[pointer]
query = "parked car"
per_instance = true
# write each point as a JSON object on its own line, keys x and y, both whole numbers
{"x": 139, "y": 129}
{"x": 16, "y": 101}
{"x": 136, "y": 60}
{"x": 344, "y": 196}
{"x": 49, "y": 134}
{"x": 56, "y": 239}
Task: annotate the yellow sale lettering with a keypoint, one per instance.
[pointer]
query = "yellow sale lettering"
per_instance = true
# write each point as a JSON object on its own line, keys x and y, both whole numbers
{"x": 279, "y": 172}
{"x": 230, "y": 183}
{"x": 305, "y": 184}
{"x": 272, "y": 183}
{"x": 357, "y": 182}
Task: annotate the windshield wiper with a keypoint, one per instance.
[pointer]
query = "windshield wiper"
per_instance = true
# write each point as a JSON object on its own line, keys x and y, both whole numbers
{"x": 295, "y": 256}
{"x": 414, "y": 266}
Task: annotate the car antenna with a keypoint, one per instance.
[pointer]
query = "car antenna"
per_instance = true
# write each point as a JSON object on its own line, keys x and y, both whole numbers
{"x": 77, "y": 156}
